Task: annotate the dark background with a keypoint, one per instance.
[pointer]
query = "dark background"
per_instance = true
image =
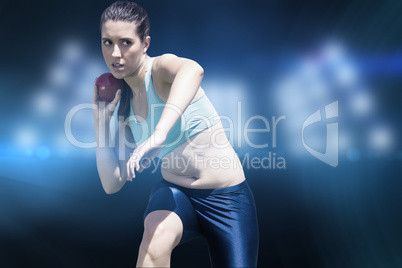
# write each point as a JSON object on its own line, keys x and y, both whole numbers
{"x": 279, "y": 58}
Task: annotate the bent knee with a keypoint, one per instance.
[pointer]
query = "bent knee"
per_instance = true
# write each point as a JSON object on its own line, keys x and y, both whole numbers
{"x": 162, "y": 230}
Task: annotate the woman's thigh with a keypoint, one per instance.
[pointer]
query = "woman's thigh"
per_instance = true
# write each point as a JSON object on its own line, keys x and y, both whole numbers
{"x": 166, "y": 199}
{"x": 229, "y": 224}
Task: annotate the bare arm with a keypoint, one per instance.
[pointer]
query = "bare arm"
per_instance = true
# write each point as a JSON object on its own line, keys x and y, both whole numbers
{"x": 185, "y": 77}
{"x": 111, "y": 159}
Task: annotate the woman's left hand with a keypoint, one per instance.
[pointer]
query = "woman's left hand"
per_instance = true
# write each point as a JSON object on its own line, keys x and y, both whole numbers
{"x": 147, "y": 151}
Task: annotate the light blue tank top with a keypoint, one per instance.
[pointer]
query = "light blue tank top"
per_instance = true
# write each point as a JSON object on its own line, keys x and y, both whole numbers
{"x": 199, "y": 115}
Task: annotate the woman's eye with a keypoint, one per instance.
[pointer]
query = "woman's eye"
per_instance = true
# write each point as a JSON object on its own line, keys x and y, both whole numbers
{"x": 106, "y": 42}
{"x": 126, "y": 43}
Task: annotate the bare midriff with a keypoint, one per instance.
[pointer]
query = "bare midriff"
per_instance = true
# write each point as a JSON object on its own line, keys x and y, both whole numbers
{"x": 205, "y": 161}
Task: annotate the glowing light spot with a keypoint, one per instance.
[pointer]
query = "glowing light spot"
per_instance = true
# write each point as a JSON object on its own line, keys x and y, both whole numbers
{"x": 346, "y": 75}
{"x": 380, "y": 138}
{"x": 42, "y": 152}
{"x": 26, "y": 137}
{"x": 44, "y": 104}
{"x": 58, "y": 75}
{"x": 72, "y": 51}
{"x": 332, "y": 52}
{"x": 361, "y": 103}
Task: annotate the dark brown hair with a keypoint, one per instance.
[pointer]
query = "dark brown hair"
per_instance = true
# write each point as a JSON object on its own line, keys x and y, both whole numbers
{"x": 129, "y": 12}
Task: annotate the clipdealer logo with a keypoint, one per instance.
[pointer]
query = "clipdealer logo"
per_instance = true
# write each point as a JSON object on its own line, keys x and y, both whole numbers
{"x": 269, "y": 161}
{"x": 330, "y": 156}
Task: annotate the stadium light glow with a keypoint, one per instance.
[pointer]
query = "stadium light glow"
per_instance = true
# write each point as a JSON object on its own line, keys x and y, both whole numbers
{"x": 361, "y": 103}
{"x": 44, "y": 103}
{"x": 71, "y": 51}
{"x": 346, "y": 75}
{"x": 58, "y": 75}
{"x": 26, "y": 137}
{"x": 380, "y": 138}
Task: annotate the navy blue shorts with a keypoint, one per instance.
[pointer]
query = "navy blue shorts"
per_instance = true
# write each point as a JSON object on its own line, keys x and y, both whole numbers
{"x": 225, "y": 217}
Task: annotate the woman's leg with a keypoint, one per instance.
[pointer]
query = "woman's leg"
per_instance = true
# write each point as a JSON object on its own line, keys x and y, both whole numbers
{"x": 162, "y": 233}
{"x": 169, "y": 220}
{"x": 228, "y": 219}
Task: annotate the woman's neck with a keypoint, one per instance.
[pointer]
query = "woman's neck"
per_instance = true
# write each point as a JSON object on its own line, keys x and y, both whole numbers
{"x": 136, "y": 80}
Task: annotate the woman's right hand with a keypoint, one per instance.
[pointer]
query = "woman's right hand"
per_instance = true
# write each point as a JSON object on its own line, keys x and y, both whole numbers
{"x": 102, "y": 110}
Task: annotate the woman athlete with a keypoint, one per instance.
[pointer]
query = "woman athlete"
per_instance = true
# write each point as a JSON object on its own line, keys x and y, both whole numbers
{"x": 165, "y": 113}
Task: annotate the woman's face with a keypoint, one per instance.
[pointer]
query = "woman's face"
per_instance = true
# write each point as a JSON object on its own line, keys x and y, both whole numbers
{"x": 122, "y": 48}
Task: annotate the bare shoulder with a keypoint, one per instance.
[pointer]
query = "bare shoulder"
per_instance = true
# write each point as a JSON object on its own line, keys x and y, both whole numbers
{"x": 166, "y": 66}
{"x": 166, "y": 58}
{"x": 169, "y": 61}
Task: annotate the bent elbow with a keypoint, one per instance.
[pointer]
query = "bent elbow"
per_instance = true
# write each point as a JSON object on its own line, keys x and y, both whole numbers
{"x": 194, "y": 68}
{"x": 200, "y": 70}
{"x": 109, "y": 191}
